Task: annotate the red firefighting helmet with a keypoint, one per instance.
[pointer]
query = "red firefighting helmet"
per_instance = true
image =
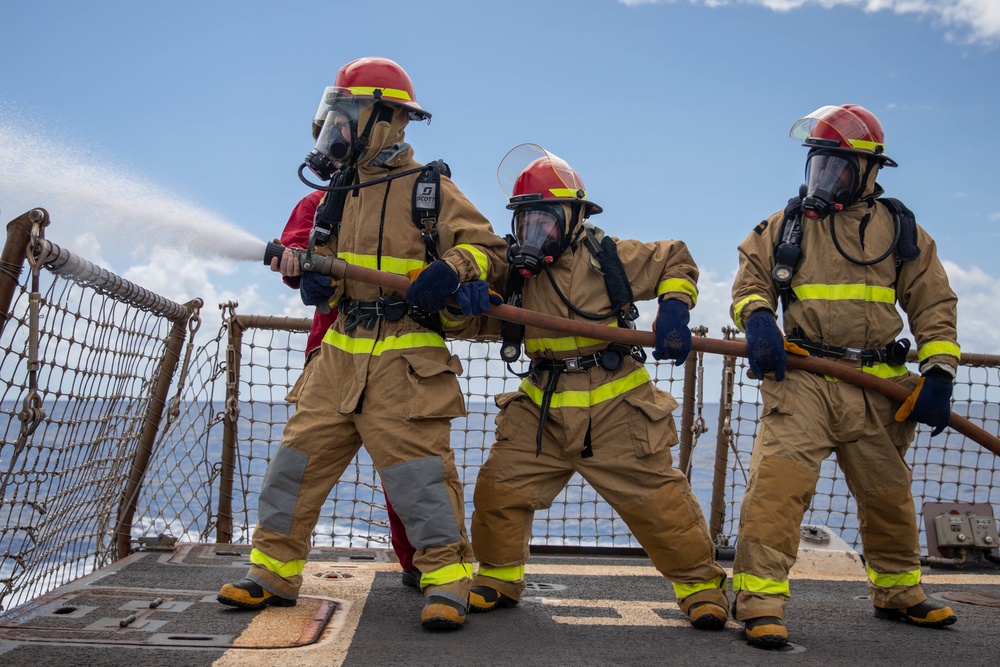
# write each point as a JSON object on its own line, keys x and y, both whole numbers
{"x": 529, "y": 173}
{"x": 847, "y": 127}
{"x": 379, "y": 78}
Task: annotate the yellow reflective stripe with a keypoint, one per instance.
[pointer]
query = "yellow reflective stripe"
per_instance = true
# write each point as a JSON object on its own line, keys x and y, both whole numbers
{"x": 377, "y": 347}
{"x": 396, "y": 265}
{"x": 911, "y": 578}
{"x": 738, "y": 308}
{"x": 885, "y": 370}
{"x": 871, "y": 293}
{"x": 446, "y": 575}
{"x": 684, "y": 590}
{"x": 754, "y": 584}
{"x": 512, "y": 573}
{"x": 567, "y": 192}
{"x": 678, "y": 285}
{"x": 940, "y": 347}
{"x": 445, "y": 321}
{"x": 560, "y": 344}
{"x": 480, "y": 257}
{"x": 585, "y": 399}
{"x": 282, "y": 569}
{"x": 864, "y": 145}
{"x": 390, "y": 92}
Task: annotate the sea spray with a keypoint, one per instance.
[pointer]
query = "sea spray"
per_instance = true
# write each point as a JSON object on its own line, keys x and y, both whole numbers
{"x": 84, "y": 196}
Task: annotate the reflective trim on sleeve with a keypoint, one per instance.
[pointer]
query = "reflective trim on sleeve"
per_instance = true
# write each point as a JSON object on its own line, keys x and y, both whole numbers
{"x": 738, "y": 308}
{"x": 754, "y": 584}
{"x": 446, "y": 575}
{"x": 290, "y": 569}
{"x": 395, "y": 265}
{"x": 858, "y": 292}
{"x": 678, "y": 285}
{"x": 481, "y": 260}
{"x": 939, "y": 347}
{"x": 376, "y": 347}
{"x": 585, "y": 399}
{"x": 911, "y": 578}
{"x": 511, "y": 573}
{"x": 684, "y": 590}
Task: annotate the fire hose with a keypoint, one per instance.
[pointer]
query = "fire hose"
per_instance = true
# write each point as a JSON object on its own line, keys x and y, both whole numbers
{"x": 342, "y": 270}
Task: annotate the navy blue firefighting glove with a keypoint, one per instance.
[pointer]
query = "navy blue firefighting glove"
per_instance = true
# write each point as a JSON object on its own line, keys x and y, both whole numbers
{"x": 315, "y": 288}
{"x": 930, "y": 402}
{"x": 765, "y": 345}
{"x": 673, "y": 335}
{"x": 475, "y": 298}
{"x": 431, "y": 286}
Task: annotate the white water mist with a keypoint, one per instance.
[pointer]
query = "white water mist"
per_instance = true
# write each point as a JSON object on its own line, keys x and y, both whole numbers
{"x": 82, "y": 196}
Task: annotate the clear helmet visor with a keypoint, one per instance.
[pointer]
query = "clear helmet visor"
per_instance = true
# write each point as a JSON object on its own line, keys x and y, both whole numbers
{"x": 549, "y": 171}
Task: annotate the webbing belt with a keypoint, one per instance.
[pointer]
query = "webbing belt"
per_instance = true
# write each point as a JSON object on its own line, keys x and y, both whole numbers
{"x": 610, "y": 358}
{"x": 893, "y": 353}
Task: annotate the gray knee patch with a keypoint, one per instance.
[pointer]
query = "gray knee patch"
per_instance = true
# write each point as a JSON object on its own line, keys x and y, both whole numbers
{"x": 420, "y": 497}
{"x": 280, "y": 493}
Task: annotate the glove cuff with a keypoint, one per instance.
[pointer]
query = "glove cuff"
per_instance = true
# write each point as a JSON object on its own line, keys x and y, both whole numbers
{"x": 938, "y": 374}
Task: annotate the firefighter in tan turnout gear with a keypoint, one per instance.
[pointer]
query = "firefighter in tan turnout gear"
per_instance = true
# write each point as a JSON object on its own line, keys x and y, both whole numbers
{"x": 588, "y": 406}
{"x": 384, "y": 376}
{"x": 837, "y": 261}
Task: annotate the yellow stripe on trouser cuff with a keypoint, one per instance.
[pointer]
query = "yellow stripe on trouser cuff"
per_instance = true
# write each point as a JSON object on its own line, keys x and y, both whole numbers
{"x": 684, "y": 590}
{"x": 678, "y": 285}
{"x": 481, "y": 261}
{"x": 512, "y": 573}
{"x": 446, "y": 575}
{"x": 290, "y": 569}
{"x": 585, "y": 399}
{"x": 941, "y": 347}
{"x": 377, "y": 347}
{"x": 753, "y": 584}
{"x": 911, "y": 578}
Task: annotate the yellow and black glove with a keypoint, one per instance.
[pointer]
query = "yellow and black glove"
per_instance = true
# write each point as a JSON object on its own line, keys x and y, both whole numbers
{"x": 930, "y": 402}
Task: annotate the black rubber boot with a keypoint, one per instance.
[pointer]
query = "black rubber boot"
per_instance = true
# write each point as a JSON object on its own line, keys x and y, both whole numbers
{"x": 707, "y": 616}
{"x": 411, "y": 578}
{"x": 485, "y": 598}
{"x": 927, "y": 614}
{"x": 766, "y": 632}
{"x": 246, "y": 594}
{"x": 442, "y": 613}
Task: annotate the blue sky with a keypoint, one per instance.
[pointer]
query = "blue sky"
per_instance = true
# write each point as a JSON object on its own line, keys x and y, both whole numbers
{"x": 164, "y": 138}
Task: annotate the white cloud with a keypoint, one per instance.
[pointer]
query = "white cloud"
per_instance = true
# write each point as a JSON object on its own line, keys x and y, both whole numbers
{"x": 978, "y": 293}
{"x": 964, "y": 21}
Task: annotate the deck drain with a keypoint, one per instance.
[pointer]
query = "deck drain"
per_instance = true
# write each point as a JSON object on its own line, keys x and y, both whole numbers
{"x": 542, "y": 587}
{"x": 333, "y": 575}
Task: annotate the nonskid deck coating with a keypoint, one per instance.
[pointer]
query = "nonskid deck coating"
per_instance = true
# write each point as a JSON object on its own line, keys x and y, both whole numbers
{"x": 578, "y": 610}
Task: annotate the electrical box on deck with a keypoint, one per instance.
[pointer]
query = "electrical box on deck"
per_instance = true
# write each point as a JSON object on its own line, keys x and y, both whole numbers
{"x": 960, "y": 534}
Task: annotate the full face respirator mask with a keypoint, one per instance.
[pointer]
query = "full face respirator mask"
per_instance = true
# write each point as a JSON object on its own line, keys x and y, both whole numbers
{"x": 538, "y": 237}
{"x": 832, "y": 182}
